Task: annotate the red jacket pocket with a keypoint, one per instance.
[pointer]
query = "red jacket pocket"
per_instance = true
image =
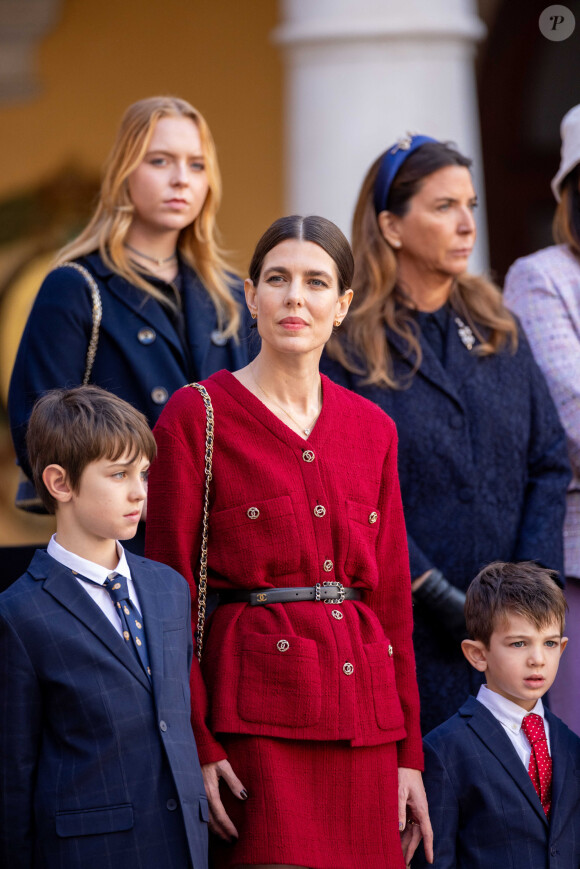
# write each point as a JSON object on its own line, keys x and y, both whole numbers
{"x": 280, "y": 680}
{"x": 386, "y": 698}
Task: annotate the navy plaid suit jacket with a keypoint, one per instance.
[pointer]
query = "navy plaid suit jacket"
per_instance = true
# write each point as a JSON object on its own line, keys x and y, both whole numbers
{"x": 98, "y": 767}
{"x": 483, "y": 806}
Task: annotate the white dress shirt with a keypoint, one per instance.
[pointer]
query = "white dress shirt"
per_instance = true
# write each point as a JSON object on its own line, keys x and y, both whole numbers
{"x": 98, "y": 574}
{"x": 510, "y": 716}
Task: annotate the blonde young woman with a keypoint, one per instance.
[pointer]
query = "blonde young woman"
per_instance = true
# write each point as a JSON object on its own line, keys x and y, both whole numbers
{"x": 170, "y": 307}
{"x": 482, "y": 455}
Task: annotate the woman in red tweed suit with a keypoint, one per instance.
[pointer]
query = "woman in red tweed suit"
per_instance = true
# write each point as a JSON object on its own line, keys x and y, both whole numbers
{"x": 307, "y": 710}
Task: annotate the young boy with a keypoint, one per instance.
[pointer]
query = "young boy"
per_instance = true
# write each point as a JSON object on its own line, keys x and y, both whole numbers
{"x": 503, "y": 775}
{"x": 98, "y": 762}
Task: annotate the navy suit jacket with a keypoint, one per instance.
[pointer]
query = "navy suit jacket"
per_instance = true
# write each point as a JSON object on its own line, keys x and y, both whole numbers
{"x": 140, "y": 354}
{"x": 483, "y": 468}
{"x": 483, "y": 806}
{"x": 98, "y": 765}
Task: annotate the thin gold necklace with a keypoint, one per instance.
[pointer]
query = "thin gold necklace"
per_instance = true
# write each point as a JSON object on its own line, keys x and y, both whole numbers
{"x": 159, "y": 261}
{"x": 289, "y": 415}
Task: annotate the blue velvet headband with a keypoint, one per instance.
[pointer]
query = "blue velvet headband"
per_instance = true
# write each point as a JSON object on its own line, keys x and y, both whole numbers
{"x": 394, "y": 158}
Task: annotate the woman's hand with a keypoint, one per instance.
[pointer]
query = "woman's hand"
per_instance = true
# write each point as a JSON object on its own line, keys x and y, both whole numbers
{"x": 414, "y": 815}
{"x": 219, "y": 822}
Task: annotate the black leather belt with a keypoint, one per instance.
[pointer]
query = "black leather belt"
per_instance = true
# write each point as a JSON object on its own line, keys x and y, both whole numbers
{"x": 327, "y": 592}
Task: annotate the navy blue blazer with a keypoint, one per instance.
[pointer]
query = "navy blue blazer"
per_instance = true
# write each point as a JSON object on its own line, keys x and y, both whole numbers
{"x": 483, "y": 807}
{"x": 99, "y": 766}
{"x": 484, "y": 469}
{"x": 140, "y": 355}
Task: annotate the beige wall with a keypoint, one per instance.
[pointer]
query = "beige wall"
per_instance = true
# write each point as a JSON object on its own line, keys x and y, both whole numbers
{"x": 104, "y": 54}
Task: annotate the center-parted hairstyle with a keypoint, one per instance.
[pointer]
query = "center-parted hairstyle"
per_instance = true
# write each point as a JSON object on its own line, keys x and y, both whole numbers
{"x": 379, "y": 300}
{"x": 316, "y": 229}
{"x": 74, "y": 427}
{"x": 198, "y": 243}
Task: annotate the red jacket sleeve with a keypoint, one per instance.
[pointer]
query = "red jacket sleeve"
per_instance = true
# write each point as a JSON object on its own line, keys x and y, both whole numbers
{"x": 391, "y": 601}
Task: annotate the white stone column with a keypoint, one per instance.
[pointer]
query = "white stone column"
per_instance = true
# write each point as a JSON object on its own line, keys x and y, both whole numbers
{"x": 361, "y": 73}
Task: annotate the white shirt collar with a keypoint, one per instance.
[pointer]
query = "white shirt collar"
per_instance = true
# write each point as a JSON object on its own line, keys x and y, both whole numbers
{"x": 87, "y": 568}
{"x": 507, "y": 712}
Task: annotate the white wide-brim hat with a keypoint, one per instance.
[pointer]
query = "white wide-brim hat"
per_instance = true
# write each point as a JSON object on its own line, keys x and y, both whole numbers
{"x": 570, "y": 133}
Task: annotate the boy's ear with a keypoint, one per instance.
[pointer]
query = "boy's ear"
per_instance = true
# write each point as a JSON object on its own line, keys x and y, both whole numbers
{"x": 56, "y": 481}
{"x": 475, "y": 652}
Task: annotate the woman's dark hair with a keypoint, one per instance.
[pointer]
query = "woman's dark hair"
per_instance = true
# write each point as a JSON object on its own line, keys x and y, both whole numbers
{"x": 379, "y": 301}
{"x": 427, "y": 159}
{"x": 316, "y": 229}
{"x": 566, "y": 225}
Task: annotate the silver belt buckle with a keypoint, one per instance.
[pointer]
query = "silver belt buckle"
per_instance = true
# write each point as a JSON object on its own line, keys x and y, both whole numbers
{"x": 341, "y": 592}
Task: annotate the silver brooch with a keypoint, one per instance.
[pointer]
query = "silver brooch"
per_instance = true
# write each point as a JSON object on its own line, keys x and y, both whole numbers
{"x": 466, "y": 336}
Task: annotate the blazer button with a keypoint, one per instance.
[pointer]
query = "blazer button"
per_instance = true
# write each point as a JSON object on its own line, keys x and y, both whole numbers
{"x": 390, "y": 650}
{"x": 252, "y": 513}
{"x": 308, "y": 456}
{"x": 373, "y": 517}
{"x": 159, "y": 395}
{"x": 348, "y": 669}
{"x": 218, "y": 338}
{"x": 162, "y": 726}
{"x": 328, "y": 565}
{"x": 171, "y": 805}
{"x": 320, "y": 511}
{"x": 146, "y": 336}
{"x": 282, "y": 645}
{"x": 337, "y": 615}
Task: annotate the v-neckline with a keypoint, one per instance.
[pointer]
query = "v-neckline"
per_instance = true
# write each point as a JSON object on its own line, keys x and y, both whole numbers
{"x": 250, "y": 402}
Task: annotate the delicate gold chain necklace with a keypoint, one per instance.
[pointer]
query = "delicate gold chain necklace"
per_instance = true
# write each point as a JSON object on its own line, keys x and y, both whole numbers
{"x": 289, "y": 415}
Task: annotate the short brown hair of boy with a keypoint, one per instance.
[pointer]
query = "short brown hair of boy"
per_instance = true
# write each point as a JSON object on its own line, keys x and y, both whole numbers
{"x": 74, "y": 427}
{"x": 502, "y": 588}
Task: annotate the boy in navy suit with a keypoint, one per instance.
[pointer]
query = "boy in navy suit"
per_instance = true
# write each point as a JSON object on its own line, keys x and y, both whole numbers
{"x": 503, "y": 775}
{"x": 98, "y": 761}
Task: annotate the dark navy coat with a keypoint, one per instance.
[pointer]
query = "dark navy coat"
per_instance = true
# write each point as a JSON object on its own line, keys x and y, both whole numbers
{"x": 483, "y": 471}
{"x": 99, "y": 764}
{"x": 482, "y": 803}
{"x": 140, "y": 356}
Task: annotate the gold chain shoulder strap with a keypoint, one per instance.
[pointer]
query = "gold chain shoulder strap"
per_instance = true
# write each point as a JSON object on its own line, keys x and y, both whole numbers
{"x": 202, "y": 590}
{"x": 97, "y": 309}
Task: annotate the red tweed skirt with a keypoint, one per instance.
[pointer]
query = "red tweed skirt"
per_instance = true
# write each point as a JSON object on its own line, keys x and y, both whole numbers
{"x": 322, "y": 805}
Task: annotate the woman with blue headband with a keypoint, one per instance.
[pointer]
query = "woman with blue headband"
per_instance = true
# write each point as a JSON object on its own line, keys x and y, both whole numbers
{"x": 482, "y": 455}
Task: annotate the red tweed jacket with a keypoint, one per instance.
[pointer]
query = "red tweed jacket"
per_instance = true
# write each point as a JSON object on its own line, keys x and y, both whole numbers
{"x": 290, "y": 512}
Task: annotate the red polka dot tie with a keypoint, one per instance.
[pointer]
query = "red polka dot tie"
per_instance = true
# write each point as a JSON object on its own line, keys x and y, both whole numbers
{"x": 540, "y": 767}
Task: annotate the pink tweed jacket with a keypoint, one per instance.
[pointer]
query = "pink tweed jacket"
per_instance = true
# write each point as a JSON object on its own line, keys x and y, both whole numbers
{"x": 544, "y": 291}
